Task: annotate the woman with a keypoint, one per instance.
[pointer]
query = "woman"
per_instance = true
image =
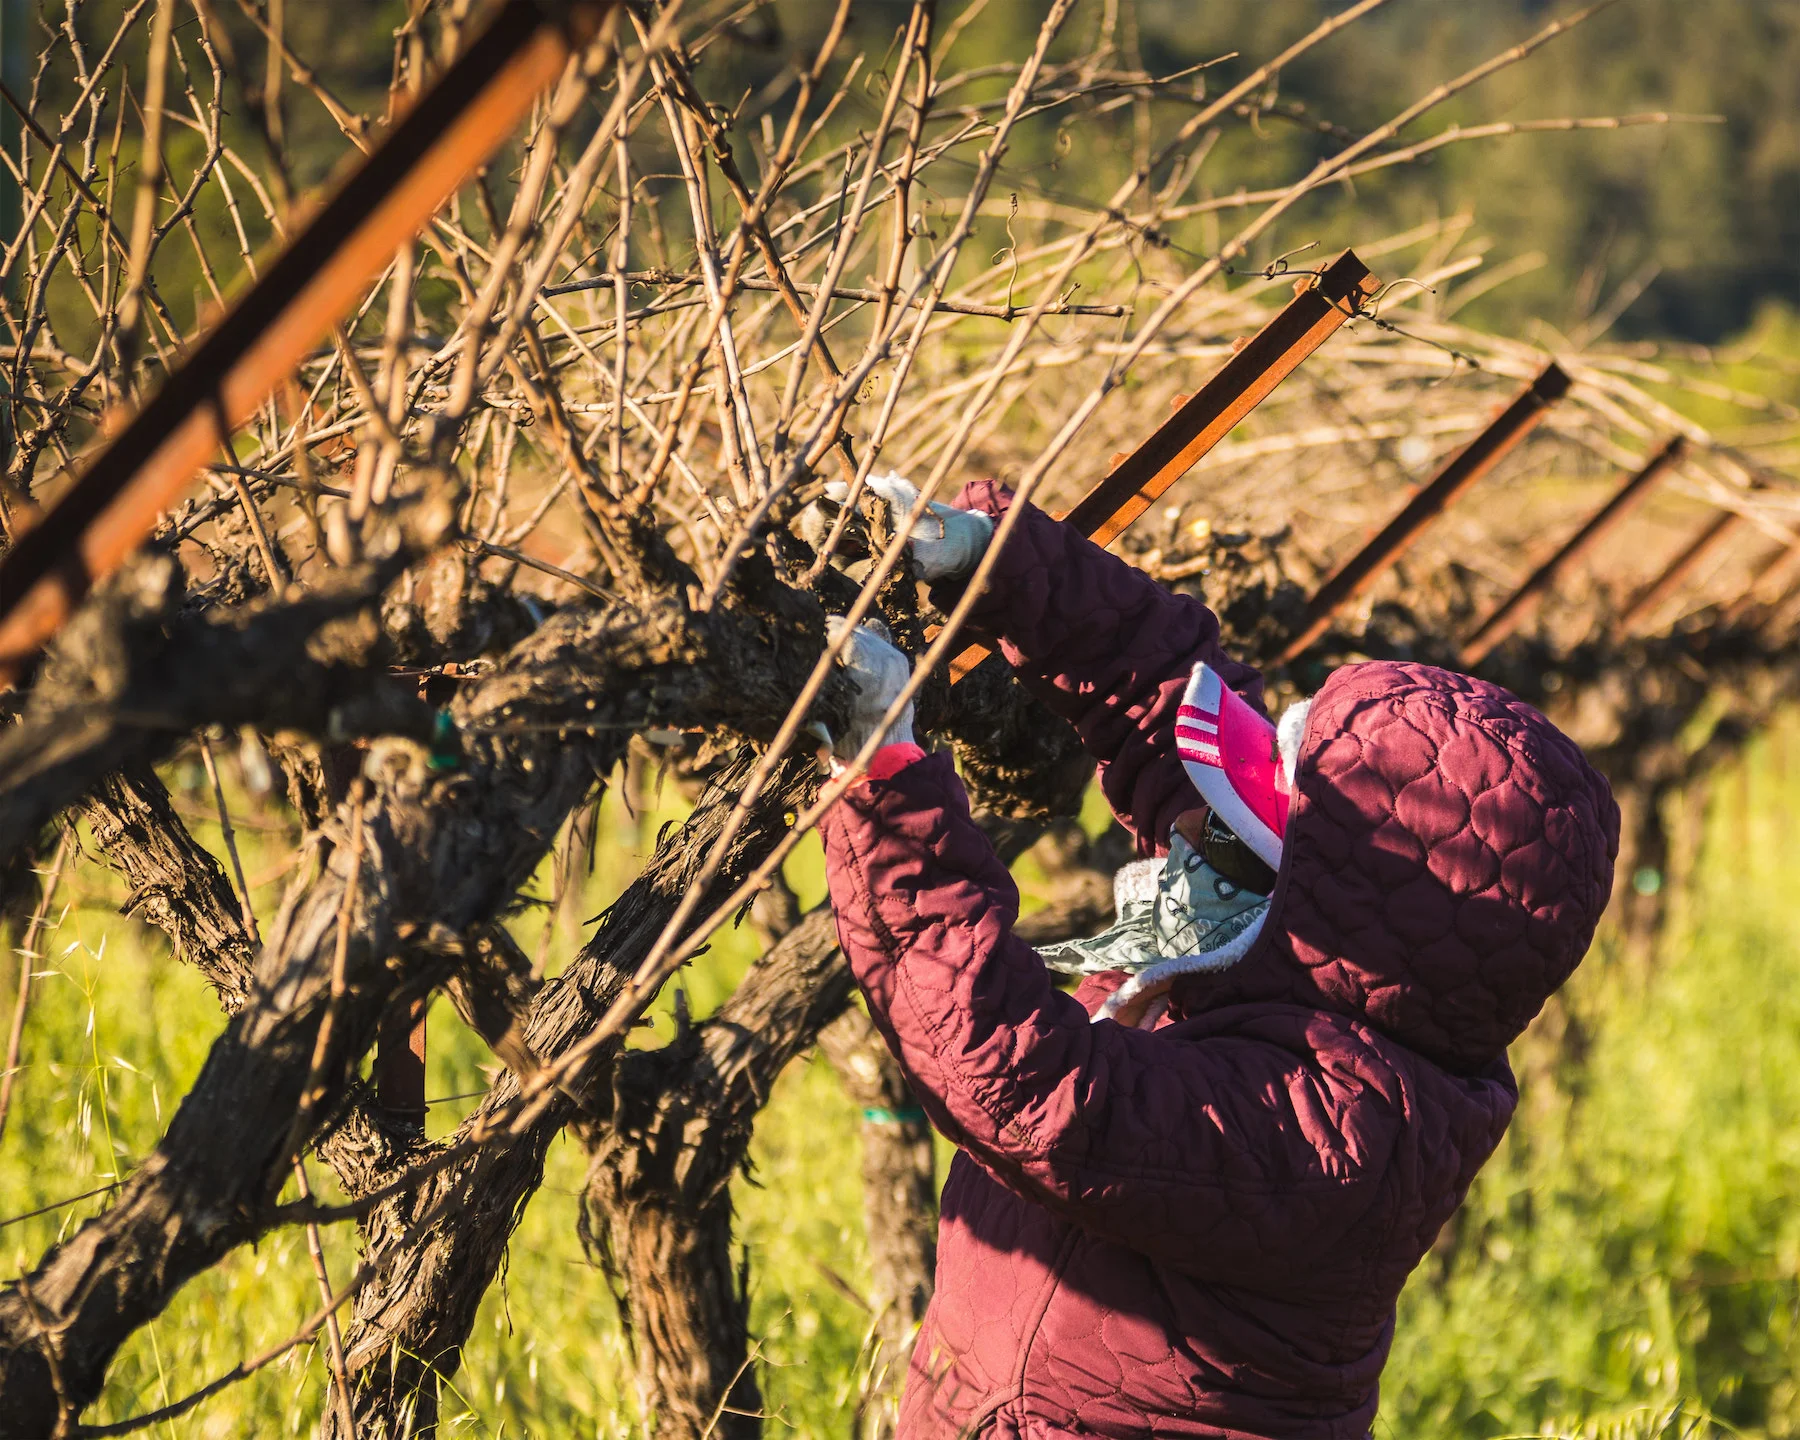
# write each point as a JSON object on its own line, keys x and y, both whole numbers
{"x": 1187, "y": 1197}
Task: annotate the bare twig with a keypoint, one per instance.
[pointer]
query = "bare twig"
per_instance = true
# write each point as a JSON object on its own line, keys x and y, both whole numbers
{"x": 29, "y": 959}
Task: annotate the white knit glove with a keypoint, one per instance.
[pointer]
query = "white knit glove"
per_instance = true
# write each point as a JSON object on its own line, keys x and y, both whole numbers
{"x": 879, "y": 672}
{"x": 947, "y": 543}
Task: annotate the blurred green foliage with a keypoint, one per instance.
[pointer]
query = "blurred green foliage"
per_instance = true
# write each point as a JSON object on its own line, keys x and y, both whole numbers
{"x": 1715, "y": 208}
{"x": 1712, "y": 212}
{"x": 1633, "y": 1246}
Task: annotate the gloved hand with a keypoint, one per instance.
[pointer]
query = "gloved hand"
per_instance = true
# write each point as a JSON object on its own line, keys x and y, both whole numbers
{"x": 880, "y": 672}
{"x": 947, "y": 543}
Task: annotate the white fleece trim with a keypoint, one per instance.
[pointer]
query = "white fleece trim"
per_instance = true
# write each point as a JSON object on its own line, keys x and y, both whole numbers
{"x": 1135, "y": 882}
{"x": 1289, "y": 733}
{"x": 1163, "y": 971}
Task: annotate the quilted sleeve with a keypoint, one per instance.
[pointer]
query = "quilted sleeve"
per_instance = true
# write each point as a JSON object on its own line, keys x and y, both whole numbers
{"x": 1222, "y": 1156}
{"x": 1103, "y": 645}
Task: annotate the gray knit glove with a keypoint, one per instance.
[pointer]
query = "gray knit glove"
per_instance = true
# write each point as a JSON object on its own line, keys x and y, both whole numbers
{"x": 879, "y": 672}
{"x": 947, "y": 543}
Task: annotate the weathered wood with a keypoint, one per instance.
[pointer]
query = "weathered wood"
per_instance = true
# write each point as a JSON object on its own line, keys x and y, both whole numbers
{"x": 899, "y": 1175}
{"x": 176, "y": 884}
{"x": 132, "y": 675}
{"x": 658, "y": 1204}
{"x": 411, "y": 1322}
{"x": 439, "y": 853}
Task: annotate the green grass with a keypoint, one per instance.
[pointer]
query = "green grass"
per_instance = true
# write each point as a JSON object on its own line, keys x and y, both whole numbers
{"x": 1627, "y": 1265}
{"x": 1634, "y": 1245}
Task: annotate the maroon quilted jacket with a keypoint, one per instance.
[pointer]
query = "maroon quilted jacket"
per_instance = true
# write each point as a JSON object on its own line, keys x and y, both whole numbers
{"x": 1201, "y": 1229}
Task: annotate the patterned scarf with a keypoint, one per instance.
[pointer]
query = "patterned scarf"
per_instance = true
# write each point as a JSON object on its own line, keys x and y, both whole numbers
{"x": 1169, "y": 909}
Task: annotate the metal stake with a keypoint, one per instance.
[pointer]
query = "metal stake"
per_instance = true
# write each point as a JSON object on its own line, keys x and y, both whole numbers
{"x": 1482, "y": 453}
{"x": 1651, "y": 597}
{"x": 453, "y": 129}
{"x": 1782, "y": 564}
{"x": 400, "y": 1060}
{"x": 1522, "y": 602}
{"x": 1132, "y": 486}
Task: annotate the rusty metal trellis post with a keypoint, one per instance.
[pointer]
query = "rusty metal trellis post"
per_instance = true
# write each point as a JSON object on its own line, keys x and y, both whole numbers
{"x": 400, "y": 1060}
{"x": 1481, "y": 454}
{"x": 1522, "y": 602}
{"x": 454, "y": 128}
{"x": 1651, "y": 597}
{"x": 1782, "y": 565}
{"x": 1131, "y": 487}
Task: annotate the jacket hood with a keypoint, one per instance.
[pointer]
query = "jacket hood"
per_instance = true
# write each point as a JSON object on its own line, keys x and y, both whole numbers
{"x": 1447, "y": 857}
